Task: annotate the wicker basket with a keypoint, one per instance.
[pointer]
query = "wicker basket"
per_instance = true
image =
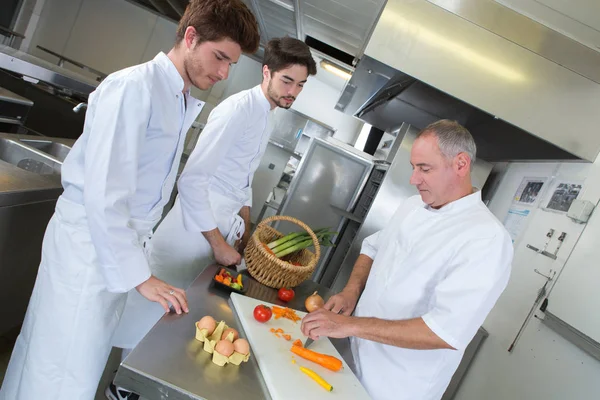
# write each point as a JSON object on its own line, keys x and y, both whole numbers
{"x": 272, "y": 271}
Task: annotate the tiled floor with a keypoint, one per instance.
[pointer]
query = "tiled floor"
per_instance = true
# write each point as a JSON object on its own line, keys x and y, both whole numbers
{"x": 7, "y": 342}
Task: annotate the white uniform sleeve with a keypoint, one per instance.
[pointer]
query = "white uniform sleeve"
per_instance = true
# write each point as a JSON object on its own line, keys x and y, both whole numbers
{"x": 249, "y": 194}
{"x": 225, "y": 125}
{"x": 370, "y": 245}
{"x": 121, "y": 113}
{"x": 476, "y": 279}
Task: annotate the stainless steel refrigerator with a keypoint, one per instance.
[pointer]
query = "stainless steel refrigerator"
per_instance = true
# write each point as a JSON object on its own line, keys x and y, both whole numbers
{"x": 325, "y": 189}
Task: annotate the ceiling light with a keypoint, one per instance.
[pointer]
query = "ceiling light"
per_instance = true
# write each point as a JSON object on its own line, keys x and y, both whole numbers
{"x": 336, "y": 70}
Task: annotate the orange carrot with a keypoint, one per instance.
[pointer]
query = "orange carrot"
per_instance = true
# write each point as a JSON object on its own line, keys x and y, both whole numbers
{"x": 285, "y": 313}
{"x": 329, "y": 362}
{"x": 297, "y": 342}
{"x": 268, "y": 250}
{"x": 287, "y": 337}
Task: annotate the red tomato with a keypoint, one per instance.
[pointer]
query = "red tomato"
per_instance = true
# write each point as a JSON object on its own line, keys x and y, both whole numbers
{"x": 262, "y": 313}
{"x": 285, "y": 294}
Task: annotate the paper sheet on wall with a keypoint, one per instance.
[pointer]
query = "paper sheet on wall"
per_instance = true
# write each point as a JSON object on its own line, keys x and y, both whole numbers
{"x": 515, "y": 221}
{"x": 529, "y": 191}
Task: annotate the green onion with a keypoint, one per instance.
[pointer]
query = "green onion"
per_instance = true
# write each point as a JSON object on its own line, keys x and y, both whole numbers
{"x": 296, "y": 247}
{"x": 290, "y": 243}
{"x": 284, "y": 239}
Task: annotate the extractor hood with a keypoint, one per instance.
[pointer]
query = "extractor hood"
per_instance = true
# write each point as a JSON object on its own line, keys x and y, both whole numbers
{"x": 520, "y": 100}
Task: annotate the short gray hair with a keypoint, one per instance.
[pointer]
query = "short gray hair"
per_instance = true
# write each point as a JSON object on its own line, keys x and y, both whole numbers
{"x": 453, "y": 138}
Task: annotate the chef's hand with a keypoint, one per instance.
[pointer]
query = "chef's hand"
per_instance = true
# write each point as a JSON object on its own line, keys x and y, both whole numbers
{"x": 345, "y": 301}
{"x": 326, "y": 323}
{"x": 227, "y": 255}
{"x": 161, "y": 292}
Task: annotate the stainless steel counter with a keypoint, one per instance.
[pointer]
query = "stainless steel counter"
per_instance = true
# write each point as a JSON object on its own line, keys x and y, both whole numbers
{"x": 170, "y": 363}
{"x": 29, "y": 186}
{"x": 18, "y": 186}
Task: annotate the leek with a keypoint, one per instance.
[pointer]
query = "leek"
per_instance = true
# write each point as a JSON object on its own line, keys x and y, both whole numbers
{"x": 289, "y": 243}
{"x": 284, "y": 239}
{"x": 300, "y": 240}
{"x": 296, "y": 247}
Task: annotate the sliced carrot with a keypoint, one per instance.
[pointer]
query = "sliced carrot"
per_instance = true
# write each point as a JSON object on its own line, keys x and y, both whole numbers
{"x": 279, "y": 330}
{"x": 287, "y": 337}
{"x": 297, "y": 342}
{"x": 277, "y": 334}
{"x": 272, "y": 330}
{"x": 219, "y": 278}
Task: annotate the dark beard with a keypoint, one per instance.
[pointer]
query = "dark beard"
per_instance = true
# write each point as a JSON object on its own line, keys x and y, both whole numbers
{"x": 186, "y": 68}
{"x": 278, "y": 101}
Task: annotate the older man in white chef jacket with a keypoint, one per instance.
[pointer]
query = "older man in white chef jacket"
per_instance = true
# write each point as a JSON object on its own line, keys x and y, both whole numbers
{"x": 211, "y": 215}
{"x": 116, "y": 179}
{"x": 427, "y": 281}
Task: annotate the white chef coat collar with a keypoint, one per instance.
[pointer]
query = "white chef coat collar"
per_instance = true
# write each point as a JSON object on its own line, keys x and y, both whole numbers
{"x": 262, "y": 98}
{"x": 458, "y": 205}
{"x": 173, "y": 75}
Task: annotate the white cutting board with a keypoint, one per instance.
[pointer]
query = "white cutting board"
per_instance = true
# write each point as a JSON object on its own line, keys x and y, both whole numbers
{"x": 283, "y": 378}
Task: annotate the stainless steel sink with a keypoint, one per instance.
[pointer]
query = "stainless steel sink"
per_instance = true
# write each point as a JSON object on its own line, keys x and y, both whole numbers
{"x": 57, "y": 150}
{"x": 29, "y": 159}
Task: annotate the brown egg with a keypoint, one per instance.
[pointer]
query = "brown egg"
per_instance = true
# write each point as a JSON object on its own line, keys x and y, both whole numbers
{"x": 207, "y": 323}
{"x": 226, "y": 332}
{"x": 241, "y": 346}
{"x": 224, "y": 347}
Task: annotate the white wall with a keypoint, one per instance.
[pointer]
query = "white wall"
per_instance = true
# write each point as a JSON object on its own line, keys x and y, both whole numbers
{"x": 543, "y": 365}
{"x": 318, "y": 100}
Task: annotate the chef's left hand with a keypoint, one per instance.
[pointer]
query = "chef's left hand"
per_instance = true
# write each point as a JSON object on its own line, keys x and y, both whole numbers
{"x": 326, "y": 323}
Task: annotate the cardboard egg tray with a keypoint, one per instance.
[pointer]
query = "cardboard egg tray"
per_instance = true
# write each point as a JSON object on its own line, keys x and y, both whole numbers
{"x": 210, "y": 342}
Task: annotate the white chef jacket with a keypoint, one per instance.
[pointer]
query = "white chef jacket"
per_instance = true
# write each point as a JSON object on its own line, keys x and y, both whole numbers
{"x": 448, "y": 266}
{"x": 225, "y": 158}
{"x": 124, "y": 165}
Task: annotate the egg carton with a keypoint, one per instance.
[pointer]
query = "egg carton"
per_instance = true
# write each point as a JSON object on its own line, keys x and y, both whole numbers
{"x": 210, "y": 342}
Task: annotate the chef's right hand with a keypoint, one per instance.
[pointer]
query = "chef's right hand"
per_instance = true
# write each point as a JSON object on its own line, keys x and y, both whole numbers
{"x": 161, "y": 292}
{"x": 342, "y": 303}
{"x": 227, "y": 255}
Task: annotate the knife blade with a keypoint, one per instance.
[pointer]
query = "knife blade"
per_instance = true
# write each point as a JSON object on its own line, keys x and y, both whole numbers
{"x": 308, "y": 342}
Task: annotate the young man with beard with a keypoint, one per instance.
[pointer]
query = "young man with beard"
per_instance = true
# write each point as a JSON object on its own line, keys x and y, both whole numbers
{"x": 117, "y": 179}
{"x": 212, "y": 210}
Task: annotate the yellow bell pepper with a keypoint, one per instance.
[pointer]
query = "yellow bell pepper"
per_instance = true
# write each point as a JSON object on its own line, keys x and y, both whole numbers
{"x": 239, "y": 280}
{"x": 317, "y": 378}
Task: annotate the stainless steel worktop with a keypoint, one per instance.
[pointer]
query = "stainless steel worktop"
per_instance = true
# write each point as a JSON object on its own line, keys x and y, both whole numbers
{"x": 170, "y": 363}
{"x": 18, "y": 186}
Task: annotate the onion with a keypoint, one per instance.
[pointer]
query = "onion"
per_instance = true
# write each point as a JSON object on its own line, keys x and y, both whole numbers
{"x": 313, "y": 302}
